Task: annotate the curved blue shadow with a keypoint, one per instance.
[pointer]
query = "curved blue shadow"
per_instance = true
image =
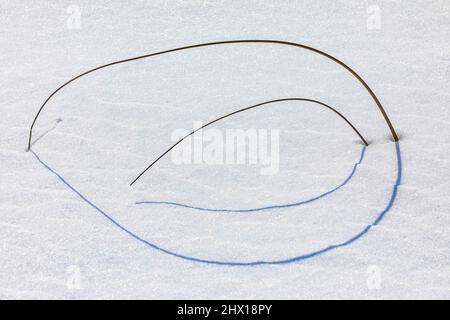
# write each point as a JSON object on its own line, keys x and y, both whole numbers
{"x": 243, "y": 263}
{"x": 276, "y": 206}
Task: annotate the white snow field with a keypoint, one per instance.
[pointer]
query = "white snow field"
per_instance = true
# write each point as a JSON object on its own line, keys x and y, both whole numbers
{"x": 335, "y": 219}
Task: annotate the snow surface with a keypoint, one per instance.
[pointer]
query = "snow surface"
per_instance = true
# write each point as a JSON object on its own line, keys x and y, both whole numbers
{"x": 99, "y": 132}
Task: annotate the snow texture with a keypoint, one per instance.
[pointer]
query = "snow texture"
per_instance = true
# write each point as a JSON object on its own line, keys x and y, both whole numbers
{"x": 339, "y": 220}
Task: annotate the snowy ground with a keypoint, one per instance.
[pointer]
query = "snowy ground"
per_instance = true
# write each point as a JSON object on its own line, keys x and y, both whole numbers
{"x": 99, "y": 132}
